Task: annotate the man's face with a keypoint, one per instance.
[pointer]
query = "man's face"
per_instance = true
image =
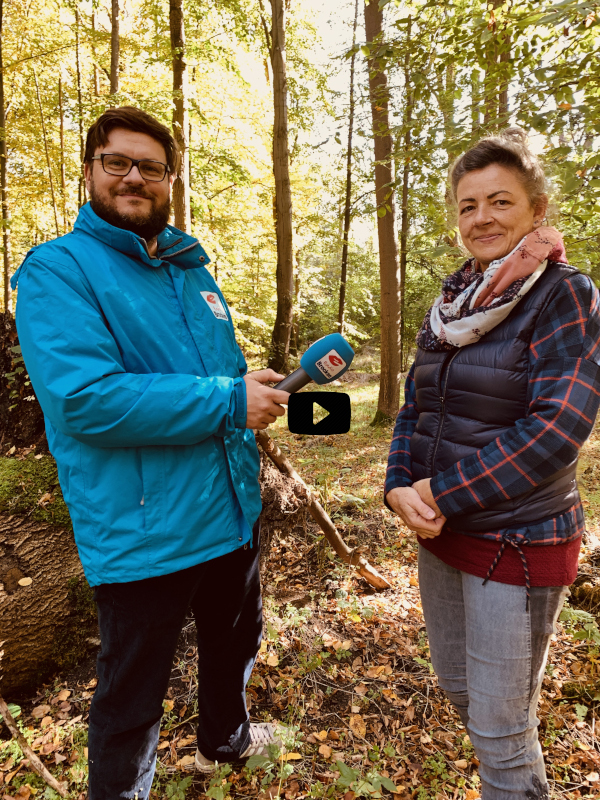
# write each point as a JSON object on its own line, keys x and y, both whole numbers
{"x": 128, "y": 201}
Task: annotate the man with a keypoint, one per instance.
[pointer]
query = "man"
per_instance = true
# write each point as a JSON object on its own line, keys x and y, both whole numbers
{"x": 149, "y": 415}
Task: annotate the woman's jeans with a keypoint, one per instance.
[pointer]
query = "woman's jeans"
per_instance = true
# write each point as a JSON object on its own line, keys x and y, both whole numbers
{"x": 489, "y": 654}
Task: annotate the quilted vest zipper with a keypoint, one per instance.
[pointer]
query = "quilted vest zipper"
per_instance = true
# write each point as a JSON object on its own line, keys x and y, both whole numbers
{"x": 444, "y": 372}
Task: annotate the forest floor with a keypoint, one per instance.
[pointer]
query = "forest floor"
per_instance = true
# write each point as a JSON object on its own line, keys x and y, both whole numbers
{"x": 348, "y": 668}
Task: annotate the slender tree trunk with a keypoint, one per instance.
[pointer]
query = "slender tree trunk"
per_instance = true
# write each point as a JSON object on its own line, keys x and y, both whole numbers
{"x": 347, "y": 202}
{"x": 181, "y": 125}
{"x": 475, "y": 101}
{"x": 81, "y": 193}
{"x": 115, "y": 46}
{"x": 492, "y": 87}
{"x": 63, "y": 180}
{"x": 405, "y": 178}
{"x": 48, "y": 162}
{"x": 504, "y": 79}
{"x": 280, "y": 339}
{"x": 4, "y": 183}
{"x": 389, "y": 386}
{"x": 94, "y": 57}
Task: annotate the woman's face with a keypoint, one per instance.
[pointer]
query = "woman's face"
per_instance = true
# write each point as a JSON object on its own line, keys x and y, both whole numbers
{"x": 494, "y": 212}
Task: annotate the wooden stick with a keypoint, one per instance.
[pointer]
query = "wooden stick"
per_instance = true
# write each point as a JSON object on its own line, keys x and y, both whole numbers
{"x": 355, "y": 556}
{"x": 34, "y": 761}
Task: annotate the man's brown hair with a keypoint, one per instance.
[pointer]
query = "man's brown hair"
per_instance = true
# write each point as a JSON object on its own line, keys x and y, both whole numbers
{"x": 132, "y": 119}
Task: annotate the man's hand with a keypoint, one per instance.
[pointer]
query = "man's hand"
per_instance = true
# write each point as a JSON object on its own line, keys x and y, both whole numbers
{"x": 423, "y": 487}
{"x": 417, "y": 515}
{"x": 263, "y": 403}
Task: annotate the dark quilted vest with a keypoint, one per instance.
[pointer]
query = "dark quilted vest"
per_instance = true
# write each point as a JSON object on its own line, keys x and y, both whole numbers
{"x": 469, "y": 396}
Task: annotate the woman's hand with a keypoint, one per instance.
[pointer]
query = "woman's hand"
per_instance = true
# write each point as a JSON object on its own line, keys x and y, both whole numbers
{"x": 423, "y": 487}
{"x": 417, "y": 515}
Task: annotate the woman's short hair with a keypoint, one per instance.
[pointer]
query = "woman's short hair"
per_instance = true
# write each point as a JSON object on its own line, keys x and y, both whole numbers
{"x": 508, "y": 149}
{"x": 132, "y": 119}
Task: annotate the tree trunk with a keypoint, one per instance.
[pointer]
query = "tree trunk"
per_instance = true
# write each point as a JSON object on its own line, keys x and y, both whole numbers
{"x": 405, "y": 177}
{"x": 475, "y": 101}
{"x": 31, "y": 615}
{"x": 115, "y": 47}
{"x": 181, "y": 125}
{"x": 4, "y": 183}
{"x": 48, "y": 163}
{"x": 81, "y": 193}
{"x": 94, "y": 57}
{"x": 389, "y": 386}
{"x": 347, "y": 200}
{"x": 280, "y": 339}
{"x": 63, "y": 180}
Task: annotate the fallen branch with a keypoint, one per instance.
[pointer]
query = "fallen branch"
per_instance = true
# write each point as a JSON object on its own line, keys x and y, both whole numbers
{"x": 355, "y": 556}
{"x": 34, "y": 761}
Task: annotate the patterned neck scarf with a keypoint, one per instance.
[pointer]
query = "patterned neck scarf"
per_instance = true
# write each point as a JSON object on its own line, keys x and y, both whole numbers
{"x": 473, "y": 302}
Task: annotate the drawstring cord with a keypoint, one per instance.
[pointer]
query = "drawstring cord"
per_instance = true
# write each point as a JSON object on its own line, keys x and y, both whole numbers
{"x": 507, "y": 539}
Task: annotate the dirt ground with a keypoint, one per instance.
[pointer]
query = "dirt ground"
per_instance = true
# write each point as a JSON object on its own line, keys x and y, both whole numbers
{"x": 346, "y": 667}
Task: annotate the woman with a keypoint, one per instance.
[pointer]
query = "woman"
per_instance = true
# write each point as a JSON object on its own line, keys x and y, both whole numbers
{"x": 501, "y": 396}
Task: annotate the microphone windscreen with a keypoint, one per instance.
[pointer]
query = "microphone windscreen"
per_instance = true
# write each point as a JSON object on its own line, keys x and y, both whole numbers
{"x": 327, "y": 359}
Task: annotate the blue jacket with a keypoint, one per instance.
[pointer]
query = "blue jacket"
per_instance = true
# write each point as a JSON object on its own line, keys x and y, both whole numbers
{"x": 136, "y": 367}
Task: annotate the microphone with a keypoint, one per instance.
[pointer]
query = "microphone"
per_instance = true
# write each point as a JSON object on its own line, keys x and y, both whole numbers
{"x": 323, "y": 362}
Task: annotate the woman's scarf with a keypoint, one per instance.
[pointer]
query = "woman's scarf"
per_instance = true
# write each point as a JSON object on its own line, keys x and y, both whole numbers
{"x": 473, "y": 302}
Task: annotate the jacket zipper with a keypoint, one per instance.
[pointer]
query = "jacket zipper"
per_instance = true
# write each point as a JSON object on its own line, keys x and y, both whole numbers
{"x": 443, "y": 383}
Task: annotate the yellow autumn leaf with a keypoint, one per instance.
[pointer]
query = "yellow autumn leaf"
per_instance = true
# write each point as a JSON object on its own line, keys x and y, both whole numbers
{"x": 273, "y": 660}
{"x": 358, "y": 725}
{"x": 25, "y": 581}
{"x": 321, "y": 736}
{"x": 290, "y": 757}
{"x": 185, "y": 761}
{"x": 461, "y": 763}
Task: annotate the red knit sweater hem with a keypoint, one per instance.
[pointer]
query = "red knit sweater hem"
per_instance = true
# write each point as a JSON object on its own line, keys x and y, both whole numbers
{"x": 549, "y": 565}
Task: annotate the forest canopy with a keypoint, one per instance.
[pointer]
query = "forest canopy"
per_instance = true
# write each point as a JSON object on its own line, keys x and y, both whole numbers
{"x": 455, "y": 72}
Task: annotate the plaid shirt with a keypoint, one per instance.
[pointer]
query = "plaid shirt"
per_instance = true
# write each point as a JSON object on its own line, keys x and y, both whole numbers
{"x": 564, "y": 390}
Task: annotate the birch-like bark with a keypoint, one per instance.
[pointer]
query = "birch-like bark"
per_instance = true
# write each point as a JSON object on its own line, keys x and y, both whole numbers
{"x": 280, "y": 339}
{"x": 4, "y": 183}
{"x": 48, "y": 162}
{"x": 389, "y": 268}
{"x": 115, "y": 47}
{"x": 181, "y": 125}
{"x": 348, "y": 197}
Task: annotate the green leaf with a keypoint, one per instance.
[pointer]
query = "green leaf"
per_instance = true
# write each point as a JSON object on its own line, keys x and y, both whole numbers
{"x": 365, "y": 50}
{"x": 581, "y": 711}
{"x": 14, "y": 709}
{"x": 388, "y": 784}
{"x": 381, "y": 212}
{"x": 347, "y": 775}
{"x": 257, "y": 762}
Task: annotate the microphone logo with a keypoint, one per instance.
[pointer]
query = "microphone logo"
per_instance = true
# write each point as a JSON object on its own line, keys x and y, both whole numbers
{"x": 331, "y": 364}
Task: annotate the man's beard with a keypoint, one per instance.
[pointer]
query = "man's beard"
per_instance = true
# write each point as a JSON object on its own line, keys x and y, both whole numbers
{"x": 147, "y": 225}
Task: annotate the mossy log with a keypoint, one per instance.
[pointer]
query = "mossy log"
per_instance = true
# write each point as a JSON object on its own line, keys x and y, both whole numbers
{"x": 46, "y": 612}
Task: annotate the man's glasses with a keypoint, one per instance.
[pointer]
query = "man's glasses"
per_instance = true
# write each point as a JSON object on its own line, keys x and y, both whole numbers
{"x": 114, "y": 164}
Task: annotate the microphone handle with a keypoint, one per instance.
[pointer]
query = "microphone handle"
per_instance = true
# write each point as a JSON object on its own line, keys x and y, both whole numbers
{"x": 295, "y": 381}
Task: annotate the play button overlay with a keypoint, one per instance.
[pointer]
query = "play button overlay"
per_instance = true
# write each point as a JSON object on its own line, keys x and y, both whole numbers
{"x": 319, "y": 413}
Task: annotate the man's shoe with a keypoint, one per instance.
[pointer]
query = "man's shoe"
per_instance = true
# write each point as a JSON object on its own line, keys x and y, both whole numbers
{"x": 262, "y": 736}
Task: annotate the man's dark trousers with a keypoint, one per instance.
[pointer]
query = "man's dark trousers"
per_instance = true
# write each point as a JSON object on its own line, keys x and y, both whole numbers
{"x": 140, "y": 623}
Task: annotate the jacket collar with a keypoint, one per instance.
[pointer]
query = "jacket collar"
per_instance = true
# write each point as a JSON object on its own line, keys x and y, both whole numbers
{"x": 171, "y": 242}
